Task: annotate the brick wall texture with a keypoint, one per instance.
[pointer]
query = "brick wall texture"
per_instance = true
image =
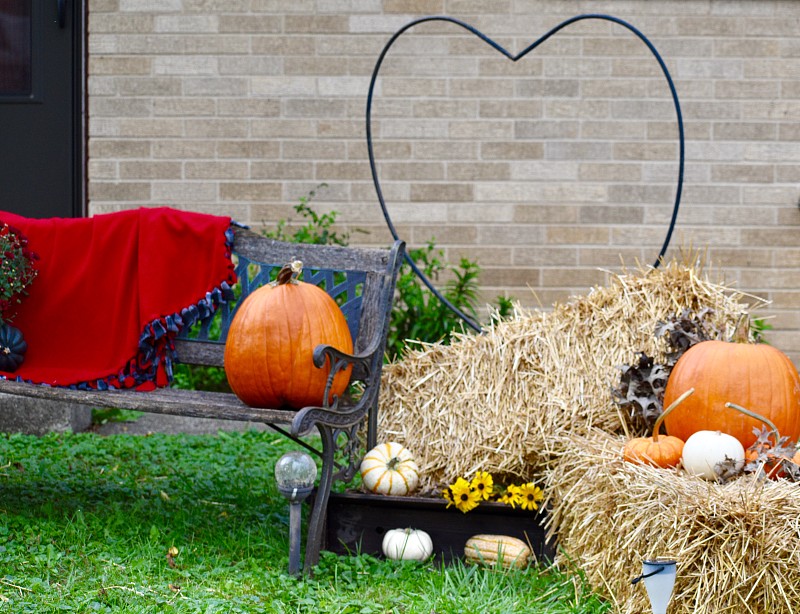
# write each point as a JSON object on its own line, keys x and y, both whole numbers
{"x": 547, "y": 171}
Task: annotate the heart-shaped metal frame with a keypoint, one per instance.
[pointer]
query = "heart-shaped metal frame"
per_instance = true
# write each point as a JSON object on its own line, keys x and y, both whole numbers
{"x": 514, "y": 58}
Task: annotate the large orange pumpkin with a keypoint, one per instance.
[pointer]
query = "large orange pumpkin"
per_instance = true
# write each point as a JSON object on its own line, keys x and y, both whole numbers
{"x": 756, "y": 376}
{"x": 271, "y": 341}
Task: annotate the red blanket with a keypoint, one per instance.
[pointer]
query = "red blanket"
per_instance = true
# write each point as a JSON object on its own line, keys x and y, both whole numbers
{"x": 113, "y": 291}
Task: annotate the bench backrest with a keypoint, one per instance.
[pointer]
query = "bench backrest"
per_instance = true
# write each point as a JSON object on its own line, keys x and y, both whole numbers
{"x": 361, "y": 280}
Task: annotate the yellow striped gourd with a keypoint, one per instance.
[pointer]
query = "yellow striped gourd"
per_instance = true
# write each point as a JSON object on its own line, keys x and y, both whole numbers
{"x": 497, "y": 550}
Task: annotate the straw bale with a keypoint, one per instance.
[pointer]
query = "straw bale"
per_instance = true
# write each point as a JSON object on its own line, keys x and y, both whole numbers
{"x": 737, "y": 545}
{"x": 495, "y": 401}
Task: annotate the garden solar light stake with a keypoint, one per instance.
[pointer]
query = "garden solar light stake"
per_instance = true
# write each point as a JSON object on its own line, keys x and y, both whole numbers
{"x": 295, "y": 473}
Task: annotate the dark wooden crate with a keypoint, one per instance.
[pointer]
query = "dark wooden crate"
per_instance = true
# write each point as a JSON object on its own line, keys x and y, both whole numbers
{"x": 357, "y": 522}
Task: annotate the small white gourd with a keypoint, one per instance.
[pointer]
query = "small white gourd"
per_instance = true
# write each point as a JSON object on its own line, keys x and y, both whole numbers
{"x": 389, "y": 469}
{"x": 407, "y": 545}
{"x": 706, "y": 453}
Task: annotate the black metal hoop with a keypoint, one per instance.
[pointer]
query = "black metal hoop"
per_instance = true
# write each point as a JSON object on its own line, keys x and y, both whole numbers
{"x": 515, "y": 58}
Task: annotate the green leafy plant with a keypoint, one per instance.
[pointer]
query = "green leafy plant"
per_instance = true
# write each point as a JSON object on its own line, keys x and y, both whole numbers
{"x": 200, "y": 377}
{"x": 101, "y": 416}
{"x": 317, "y": 229}
{"x": 418, "y": 315}
{"x": 759, "y": 326}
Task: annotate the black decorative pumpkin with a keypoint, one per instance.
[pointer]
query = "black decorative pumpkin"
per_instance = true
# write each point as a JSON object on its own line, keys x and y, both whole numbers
{"x": 12, "y": 348}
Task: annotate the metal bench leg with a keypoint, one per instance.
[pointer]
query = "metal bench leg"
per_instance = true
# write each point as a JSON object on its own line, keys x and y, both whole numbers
{"x": 372, "y": 426}
{"x": 316, "y": 522}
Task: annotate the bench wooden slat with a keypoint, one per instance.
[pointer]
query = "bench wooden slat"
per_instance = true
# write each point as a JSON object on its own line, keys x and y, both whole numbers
{"x": 259, "y": 248}
{"x": 191, "y": 403}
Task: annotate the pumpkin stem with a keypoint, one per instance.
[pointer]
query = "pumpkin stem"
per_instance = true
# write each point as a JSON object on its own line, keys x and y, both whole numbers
{"x": 758, "y": 417}
{"x": 741, "y": 334}
{"x": 664, "y": 413}
{"x": 288, "y": 273}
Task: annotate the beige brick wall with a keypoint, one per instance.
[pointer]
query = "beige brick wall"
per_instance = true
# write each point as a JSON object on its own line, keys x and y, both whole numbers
{"x": 545, "y": 171}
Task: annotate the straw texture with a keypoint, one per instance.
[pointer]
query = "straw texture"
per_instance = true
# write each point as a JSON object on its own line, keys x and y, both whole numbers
{"x": 531, "y": 399}
{"x": 494, "y": 402}
{"x": 737, "y": 545}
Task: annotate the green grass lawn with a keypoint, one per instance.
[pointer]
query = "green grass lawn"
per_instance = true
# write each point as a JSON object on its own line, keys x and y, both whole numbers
{"x": 87, "y": 523}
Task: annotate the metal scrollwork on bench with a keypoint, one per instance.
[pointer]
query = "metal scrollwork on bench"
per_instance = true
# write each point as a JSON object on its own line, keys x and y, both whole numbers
{"x": 514, "y": 58}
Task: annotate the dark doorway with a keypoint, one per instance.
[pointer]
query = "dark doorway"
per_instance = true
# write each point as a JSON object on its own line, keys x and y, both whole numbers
{"x": 41, "y": 107}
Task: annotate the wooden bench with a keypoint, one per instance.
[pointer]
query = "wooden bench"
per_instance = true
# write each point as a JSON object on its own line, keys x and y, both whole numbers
{"x": 362, "y": 281}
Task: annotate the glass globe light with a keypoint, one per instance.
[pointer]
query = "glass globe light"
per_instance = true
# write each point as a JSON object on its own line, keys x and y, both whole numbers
{"x": 295, "y": 473}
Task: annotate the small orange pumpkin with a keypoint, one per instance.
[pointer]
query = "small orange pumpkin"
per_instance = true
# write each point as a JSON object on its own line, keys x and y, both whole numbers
{"x": 658, "y": 451}
{"x": 271, "y": 341}
{"x": 748, "y": 374}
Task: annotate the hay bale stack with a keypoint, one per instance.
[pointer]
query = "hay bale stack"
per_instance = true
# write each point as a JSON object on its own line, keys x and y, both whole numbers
{"x": 736, "y": 544}
{"x": 496, "y": 401}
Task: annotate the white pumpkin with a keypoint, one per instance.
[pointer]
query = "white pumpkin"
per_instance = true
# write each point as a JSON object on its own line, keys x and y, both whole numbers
{"x": 390, "y": 469}
{"x": 407, "y": 545}
{"x": 709, "y": 453}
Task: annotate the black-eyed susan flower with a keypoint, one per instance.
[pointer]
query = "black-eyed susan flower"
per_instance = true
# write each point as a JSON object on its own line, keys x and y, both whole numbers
{"x": 464, "y": 497}
{"x": 483, "y": 484}
{"x": 512, "y": 496}
{"x": 448, "y": 495}
{"x": 530, "y": 495}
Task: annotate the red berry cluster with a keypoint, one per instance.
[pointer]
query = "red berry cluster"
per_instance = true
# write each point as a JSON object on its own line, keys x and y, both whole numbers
{"x": 17, "y": 269}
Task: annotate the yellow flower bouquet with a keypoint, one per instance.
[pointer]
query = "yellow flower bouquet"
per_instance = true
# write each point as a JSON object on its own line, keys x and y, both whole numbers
{"x": 466, "y": 495}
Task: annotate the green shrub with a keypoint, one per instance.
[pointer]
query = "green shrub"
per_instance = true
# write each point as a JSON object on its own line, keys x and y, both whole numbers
{"x": 418, "y": 314}
{"x": 199, "y": 377}
{"x": 758, "y": 327}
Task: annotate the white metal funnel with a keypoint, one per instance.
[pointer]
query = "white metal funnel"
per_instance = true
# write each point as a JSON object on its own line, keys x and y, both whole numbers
{"x": 659, "y": 580}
